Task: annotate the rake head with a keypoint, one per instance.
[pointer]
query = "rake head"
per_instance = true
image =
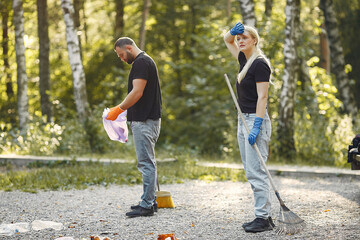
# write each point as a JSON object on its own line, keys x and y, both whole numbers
{"x": 289, "y": 222}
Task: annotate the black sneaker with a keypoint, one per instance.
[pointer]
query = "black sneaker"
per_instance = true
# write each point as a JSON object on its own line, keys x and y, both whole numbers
{"x": 140, "y": 211}
{"x": 272, "y": 224}
{"x": 137, "y": 206}
{"x": 270, "y": 221}
{"x": 247, "y": 223}
{"x": 259, "y": 225}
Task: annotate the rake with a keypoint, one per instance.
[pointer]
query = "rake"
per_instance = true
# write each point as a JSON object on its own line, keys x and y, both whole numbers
{"x": 288, "y": 221}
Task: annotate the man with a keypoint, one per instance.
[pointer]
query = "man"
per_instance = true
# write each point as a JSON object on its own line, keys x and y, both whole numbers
{"x": 143, "y": 105}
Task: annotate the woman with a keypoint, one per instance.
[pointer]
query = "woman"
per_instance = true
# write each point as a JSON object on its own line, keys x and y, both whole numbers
{"x": 252, "y": 89}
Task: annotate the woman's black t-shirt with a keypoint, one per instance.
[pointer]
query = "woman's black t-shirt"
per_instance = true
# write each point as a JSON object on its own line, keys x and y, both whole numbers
{"x": 259, "y": 71}
{"x": 149, "y": 105}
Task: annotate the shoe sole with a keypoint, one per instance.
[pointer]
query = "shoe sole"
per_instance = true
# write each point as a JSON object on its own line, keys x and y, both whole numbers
{"x": 248, "y": 224}
{"x": 258, "y": 230}
{"x": 133, "y": 208}
{"x": 144, "y": 215}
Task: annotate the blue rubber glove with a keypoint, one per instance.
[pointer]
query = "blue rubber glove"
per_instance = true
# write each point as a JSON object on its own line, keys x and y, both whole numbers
{"x": 237, "y": 29}
{"x": 255, "y": 130}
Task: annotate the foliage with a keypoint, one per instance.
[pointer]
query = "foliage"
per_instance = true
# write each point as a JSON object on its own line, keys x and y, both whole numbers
{"x": 41, "y": 138}
{"x": 185, "y": 38}
{"x": 348, "y": 16}
{"x": 65, "y": 175}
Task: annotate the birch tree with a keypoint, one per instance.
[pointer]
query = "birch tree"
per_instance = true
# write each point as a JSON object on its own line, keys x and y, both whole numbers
{"x": 79, "y": 82}
{"x": 247, "y": 11}
{"x": 287, "y": 95}
{"x": 81, "y": 31}
{"x": 145, "y": 13}
{"x": 22, "y": 97}
{"x": 337, "y": 62}
{"x": 44, "y": 65}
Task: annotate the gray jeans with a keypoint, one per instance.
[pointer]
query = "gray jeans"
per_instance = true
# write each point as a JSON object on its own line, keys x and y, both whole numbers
{"x": 255, "y": 173}
{"x": 145, "y": 135}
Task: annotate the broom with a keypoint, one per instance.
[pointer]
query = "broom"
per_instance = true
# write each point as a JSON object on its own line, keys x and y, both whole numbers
{"x": 289, "y": 222}
{"x": 163, "y": 198}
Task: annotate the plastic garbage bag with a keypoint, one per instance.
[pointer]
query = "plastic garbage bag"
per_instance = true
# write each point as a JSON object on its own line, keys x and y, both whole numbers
{"x": 40, "y": 225}
{"x": 117, "y": 130}
{"x": 10, "y": 229}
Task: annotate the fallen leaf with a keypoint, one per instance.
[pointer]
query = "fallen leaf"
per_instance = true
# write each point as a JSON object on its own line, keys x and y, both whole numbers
{"x": 327, "y": 210}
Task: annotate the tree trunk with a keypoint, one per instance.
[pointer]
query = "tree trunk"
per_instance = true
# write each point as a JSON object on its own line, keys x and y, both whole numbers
{"x": 79, "y": 82}
{"x": 228, "y": 10}
{"x": 22, "y": 97}
{"x": 247, "y": 11}
{"x": 78, "y": 6}
{"x": 337, "y": 58}
{"x": 268, "y": 8}
{"x": 287, "y": 96}
{"x": 5, "y": 47}
{"x": 307, "y": 92}
{"x": 44, "y": 65}
{"x": 118, "y": 32}
{"x": 145, "y": 13}
{"x": 119, "y": 19}
{"x": 324, "y": 50}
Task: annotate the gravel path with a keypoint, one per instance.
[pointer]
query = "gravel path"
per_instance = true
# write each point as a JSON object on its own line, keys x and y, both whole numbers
{"x": 216, "y": 210}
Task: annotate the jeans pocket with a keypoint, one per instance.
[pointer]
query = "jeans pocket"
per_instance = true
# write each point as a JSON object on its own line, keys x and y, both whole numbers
{"x": 156, "y": 128}
{"x": 265, "y": 131}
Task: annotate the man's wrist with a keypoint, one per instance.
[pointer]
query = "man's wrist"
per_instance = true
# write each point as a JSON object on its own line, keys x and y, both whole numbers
{"x": 121, "y": 108}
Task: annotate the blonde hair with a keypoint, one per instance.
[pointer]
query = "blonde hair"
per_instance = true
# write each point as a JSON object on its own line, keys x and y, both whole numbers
{"x": 258, "y": 53}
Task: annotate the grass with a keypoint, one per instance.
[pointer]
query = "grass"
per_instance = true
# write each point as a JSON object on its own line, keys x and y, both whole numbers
{"x": 66, "y": 175}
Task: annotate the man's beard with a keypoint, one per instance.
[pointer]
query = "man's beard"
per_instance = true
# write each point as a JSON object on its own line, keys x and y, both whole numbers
{"x": 129, "y": 57}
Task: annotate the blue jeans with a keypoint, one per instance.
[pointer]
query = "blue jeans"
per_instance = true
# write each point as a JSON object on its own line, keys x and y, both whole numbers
{"x": 254, "y": 171}
{"x": 145, "y": 135}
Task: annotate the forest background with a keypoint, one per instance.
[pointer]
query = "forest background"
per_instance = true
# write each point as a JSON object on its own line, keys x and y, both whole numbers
{"x": 313, "y": 103}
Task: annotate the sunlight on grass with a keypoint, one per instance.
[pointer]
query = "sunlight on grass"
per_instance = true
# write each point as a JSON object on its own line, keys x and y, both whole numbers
{"x": 65, "y": 175}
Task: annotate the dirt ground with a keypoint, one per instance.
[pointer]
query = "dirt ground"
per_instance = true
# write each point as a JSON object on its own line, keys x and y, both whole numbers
{"x": 330, "y": 207}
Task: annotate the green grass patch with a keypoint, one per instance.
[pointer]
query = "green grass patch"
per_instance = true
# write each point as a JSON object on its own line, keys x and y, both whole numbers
{"x": 66, "y": 175}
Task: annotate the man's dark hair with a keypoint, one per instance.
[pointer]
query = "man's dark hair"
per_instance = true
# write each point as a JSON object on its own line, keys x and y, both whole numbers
{"x": 121, "y": 42}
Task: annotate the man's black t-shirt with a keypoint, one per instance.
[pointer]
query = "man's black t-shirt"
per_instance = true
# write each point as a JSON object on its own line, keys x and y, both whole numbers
{"x": 149, "y": 105}
{"x": 259, "y": 71}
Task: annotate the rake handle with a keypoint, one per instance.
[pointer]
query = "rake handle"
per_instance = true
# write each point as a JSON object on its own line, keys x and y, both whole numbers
{"x": 255, "y": 145}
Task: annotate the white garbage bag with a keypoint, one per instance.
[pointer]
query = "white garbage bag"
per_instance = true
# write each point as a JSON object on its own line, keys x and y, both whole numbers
{"x": 40, "y": 225}
{"x": 117, "y": 130}
{"x": 10, "y": 229}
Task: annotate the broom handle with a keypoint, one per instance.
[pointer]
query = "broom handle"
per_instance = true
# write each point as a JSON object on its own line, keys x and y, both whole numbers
{"x": 157, "y": 181}
{"x": 255, "y": 145}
